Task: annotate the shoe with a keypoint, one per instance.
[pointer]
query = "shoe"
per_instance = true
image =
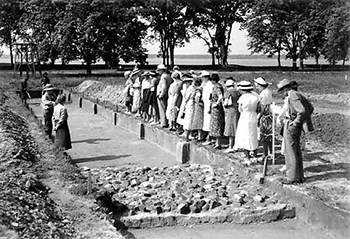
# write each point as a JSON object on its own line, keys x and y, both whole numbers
{"x": 228, "y": 150}
{"x": 247, "y": 162}
{"x": 207, "y": 143}
{"x": 165, "y": 126}
{"x": 254, "y": 160}
{"x": 217, "y": 146}
{"x": 172, "y": 129}
{"x": 153, "y": 123}
{"x": 289, "y": 182}
{"x": 284, "y": 168}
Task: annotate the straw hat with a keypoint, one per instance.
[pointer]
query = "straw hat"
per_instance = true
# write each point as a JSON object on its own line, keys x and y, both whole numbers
{"x": 48, "y": 87}
{"x": 161, "y": 67}
{"x": 245, "y": 85}
{"x": 204, "y": 74}
{"x": 135, "y": 72}
{"x": 261, "y": 81}
{"x": 146, "y": 73}
{"x": 127, "y": 74}
{"x": 229, "y": 83}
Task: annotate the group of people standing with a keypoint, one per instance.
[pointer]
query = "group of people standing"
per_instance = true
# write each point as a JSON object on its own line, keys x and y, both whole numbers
{"x": 199, "y": 107}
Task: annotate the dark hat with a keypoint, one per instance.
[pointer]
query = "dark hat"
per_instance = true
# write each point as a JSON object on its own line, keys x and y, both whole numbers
{"x": 285, "y": 83}
{"x": 215, "y": 77}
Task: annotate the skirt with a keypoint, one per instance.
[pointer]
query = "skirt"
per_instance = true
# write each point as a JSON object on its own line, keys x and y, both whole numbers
{"x": 62, "y": 138}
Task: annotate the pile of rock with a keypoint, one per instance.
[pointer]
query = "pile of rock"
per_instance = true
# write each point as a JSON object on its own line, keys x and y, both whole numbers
{"x": 179, "y": 189}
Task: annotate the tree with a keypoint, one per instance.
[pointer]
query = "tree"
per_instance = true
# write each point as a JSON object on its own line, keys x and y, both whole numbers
{"x": 10, "y": 13}
{"x": 338, "y": 33}
{"x": 38, "y": 24}
{"x": 264, "y": 32}
{"x": 120, "y": 32}
{"x": 216, "y": 18}
{"x": 170, "y": 23}
{"x": 294, "y": 26}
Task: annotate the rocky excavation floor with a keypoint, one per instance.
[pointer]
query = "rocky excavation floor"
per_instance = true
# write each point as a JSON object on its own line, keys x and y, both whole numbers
{"x": 326, "y": 159}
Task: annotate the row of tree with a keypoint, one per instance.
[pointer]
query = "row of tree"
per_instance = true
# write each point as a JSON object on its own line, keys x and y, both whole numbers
{"x": 114, "y": 30}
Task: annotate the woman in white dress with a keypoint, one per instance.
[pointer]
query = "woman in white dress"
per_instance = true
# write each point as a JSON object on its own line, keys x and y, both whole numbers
{"x": 207, "y": 86}
{"x": 247, "y": 130}
{"x": 186, "y": 80}
{"x": 174, "y": 99}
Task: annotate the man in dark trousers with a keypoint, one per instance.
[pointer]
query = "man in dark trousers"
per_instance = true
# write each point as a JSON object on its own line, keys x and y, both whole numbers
{"x": 298, "y": 119}
{"x": 48, "y": 102}
{"x": 162, "y": 93}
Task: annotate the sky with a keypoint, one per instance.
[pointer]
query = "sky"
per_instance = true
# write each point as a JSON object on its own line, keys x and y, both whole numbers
{"x": 197, "y": 46}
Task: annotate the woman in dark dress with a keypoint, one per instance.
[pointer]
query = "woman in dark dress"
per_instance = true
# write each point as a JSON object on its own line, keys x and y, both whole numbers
{"x": 217, "y": 115}
{"x": 60, "y": 117}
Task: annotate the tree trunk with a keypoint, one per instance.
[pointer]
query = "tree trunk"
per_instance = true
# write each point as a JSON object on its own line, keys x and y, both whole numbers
{"x": 171, "y": 52}
{"x": 213, "y": 58}
{"x": 279, "y": 59}
{"x": 301, "y": 62}
{"x": 88, "y": 67}
{"x": 11, "y": 54}
{"x": 294, "y": 68}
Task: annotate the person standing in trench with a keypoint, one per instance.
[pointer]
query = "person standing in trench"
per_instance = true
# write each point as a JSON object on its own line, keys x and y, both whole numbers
{"x": 60, "y": 118}
{"x": 47, "y": 103}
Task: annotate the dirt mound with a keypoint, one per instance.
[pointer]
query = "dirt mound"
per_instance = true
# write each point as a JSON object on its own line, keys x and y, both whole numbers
{"x": 332, "y": 129}
{"x": 25, "y": 206}
{"x": 340, "y": 98}
{"x": 103, "y": 92}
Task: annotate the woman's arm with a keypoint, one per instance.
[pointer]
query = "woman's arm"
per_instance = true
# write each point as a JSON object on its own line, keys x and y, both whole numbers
{"x": 63, "y": 116}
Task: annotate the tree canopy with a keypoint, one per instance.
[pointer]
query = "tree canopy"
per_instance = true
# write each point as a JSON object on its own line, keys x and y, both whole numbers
{"x": 114, "y": 30}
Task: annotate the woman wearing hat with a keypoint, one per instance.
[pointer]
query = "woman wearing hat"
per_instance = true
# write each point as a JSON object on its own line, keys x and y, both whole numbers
{"x": 217, "y": 115}
{"x": 186, "y": 82}
{"x": 247, "y": 131}
{"x": 47, "y": 103}
{"x": 174, "y": 99}
{"x": 207, "y": 86}
{"x": 231, "y": 112}
{"x": 146, "y": 86}
{"x": 60, "y": 117}
{"x": 136, "y": 91}
{"x": 127, "y": 92}
{"x": 265, "y": 115}
{"x": 193, "y": 109}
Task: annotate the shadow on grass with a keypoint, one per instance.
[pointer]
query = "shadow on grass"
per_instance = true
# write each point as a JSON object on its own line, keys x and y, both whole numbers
{"x": 100, "y": 158}
{"x": 90, "y": 141}
{"x": 328, "y": 171}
